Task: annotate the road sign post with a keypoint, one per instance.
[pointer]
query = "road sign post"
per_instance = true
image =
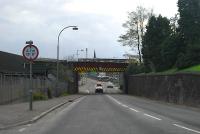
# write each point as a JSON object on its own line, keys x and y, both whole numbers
{"x": 30, "y": 53}
{"x": 31, "y": 89}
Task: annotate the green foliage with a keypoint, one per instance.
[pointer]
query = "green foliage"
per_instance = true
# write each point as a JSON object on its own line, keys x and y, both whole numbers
{"x": 170, "y": 71}
{"x": 169, "y": 51}
{"x": 189, "y": 26}
{"x": 65, "y": 94}
{"x": 192, "y": 69}
{"x": 181, "y": 62}
{"x": 192, "y": 57}
{"x": 189, "y": 22}
{"x": 134, "y": 68}
{"x": 166, "y": 44}
{"x": 158, "y": 31}
{"x": 39, "y": 96}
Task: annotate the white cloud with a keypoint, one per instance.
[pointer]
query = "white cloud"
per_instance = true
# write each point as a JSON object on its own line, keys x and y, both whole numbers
{"x": 99, "y": 24}
{"x": 119, "y": 8}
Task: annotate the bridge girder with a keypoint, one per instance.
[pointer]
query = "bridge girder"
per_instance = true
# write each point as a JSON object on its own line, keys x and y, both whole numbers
{"x": 98, "y": 66}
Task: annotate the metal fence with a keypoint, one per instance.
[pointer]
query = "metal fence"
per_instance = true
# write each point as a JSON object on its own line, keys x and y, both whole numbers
{"x": 16, "y": 87}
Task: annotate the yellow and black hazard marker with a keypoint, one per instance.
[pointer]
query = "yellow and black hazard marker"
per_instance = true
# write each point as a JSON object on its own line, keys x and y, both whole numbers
{"x": 95, "y": 69}
{"x": 99, "y": 68}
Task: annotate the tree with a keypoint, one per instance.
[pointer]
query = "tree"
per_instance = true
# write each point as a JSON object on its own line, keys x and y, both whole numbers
{"x": 189, "y": 26}
{"x": 134, "y": 68}
{"x": 174, "y": 23}
{"x": 170, "y": 50}
{"x": 158, "y": 31}
{"x": 189, "y": 21}
{"x": 135, "y": 29}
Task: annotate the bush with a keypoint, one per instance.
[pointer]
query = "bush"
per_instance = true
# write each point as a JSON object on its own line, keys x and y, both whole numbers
{"x": 39, "y": 96}
{"x": 134, "y": 68}
{"x": 190, "y": 58}
{"x": 65, "y": 94}
{"x": 181, "y": 61}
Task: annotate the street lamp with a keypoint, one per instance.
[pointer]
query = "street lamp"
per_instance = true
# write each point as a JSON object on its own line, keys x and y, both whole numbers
{"x": 73, "y": 28}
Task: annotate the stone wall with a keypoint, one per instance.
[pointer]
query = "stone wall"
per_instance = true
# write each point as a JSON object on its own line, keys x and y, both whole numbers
{"x": 176, "y": 88}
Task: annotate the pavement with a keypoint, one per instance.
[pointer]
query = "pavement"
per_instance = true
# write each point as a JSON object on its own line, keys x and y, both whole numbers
{"x": 16, "y": 114}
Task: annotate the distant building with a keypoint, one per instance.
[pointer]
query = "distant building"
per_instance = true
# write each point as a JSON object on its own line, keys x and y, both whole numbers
{"x": 12, "y": 63}
{"x": 16, "y": 64}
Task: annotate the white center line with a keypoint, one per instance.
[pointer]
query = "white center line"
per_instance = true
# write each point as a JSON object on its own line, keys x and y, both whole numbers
{"x": 133, "y": 109}
{"x": 187, "y": 128}
{"x": 114, "y": 99}
{"x": 124, "y": 105}
{"x": 28, "y": 125}
{"x": 152, "y": 117}
{"x": 119, "y": 103}
{"x": 22, "y": 129}
{"x": 192, "y": 130}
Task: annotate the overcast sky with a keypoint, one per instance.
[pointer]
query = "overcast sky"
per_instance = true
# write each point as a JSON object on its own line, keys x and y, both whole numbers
{"x": 99, "y": 22}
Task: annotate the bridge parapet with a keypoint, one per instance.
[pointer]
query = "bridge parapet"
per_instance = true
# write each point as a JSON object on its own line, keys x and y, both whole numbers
{"x": 98, "y": 66}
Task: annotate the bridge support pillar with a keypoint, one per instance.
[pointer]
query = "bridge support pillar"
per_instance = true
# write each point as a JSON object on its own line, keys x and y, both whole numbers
{"x": 125, "y": 83}
{"x": 76, "y": 78}
{"x": 75, "y": 83}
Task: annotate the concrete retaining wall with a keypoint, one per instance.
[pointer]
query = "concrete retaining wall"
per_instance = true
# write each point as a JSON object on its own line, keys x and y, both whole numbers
{"x": 177, "y": 88}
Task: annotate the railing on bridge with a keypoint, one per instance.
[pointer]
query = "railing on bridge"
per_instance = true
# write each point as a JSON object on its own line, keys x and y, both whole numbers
{"x": 103, "y": 60}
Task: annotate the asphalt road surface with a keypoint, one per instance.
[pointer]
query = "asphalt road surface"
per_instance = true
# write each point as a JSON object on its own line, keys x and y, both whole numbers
{"x": 115, "y": 114}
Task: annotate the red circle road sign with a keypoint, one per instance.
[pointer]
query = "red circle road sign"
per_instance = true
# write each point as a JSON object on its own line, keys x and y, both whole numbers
{"x": 30, "y": 52}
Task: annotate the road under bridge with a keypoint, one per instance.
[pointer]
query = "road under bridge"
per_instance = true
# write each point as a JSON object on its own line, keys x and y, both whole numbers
{"x": 98, "y": 65}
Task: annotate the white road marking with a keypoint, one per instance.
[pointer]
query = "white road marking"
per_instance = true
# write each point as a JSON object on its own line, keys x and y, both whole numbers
{"x": 192, "y": 130}
{"x": 124, "y": 105}
{"x": 114, "y": 99}
{"x": 28, "y": 125}
{"x": 133, "y": 109}
{"x": 152, "y": 117}
{"x": 22, "y": 129}
{"x": 119, "y": 103}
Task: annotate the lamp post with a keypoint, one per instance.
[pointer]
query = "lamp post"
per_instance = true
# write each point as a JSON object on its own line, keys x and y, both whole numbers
{"x": 73, "y": 28}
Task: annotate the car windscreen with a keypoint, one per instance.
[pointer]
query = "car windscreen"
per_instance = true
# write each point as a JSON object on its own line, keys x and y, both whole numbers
{"x": 99, "y": 85}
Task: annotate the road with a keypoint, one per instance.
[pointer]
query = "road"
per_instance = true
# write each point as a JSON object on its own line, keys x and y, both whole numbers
{"x": 115, "y": 114}
{"x": 89, "y": 87}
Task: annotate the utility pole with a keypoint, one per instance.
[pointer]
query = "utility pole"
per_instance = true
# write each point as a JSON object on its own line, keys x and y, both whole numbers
{"x": 86, "y": 51}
